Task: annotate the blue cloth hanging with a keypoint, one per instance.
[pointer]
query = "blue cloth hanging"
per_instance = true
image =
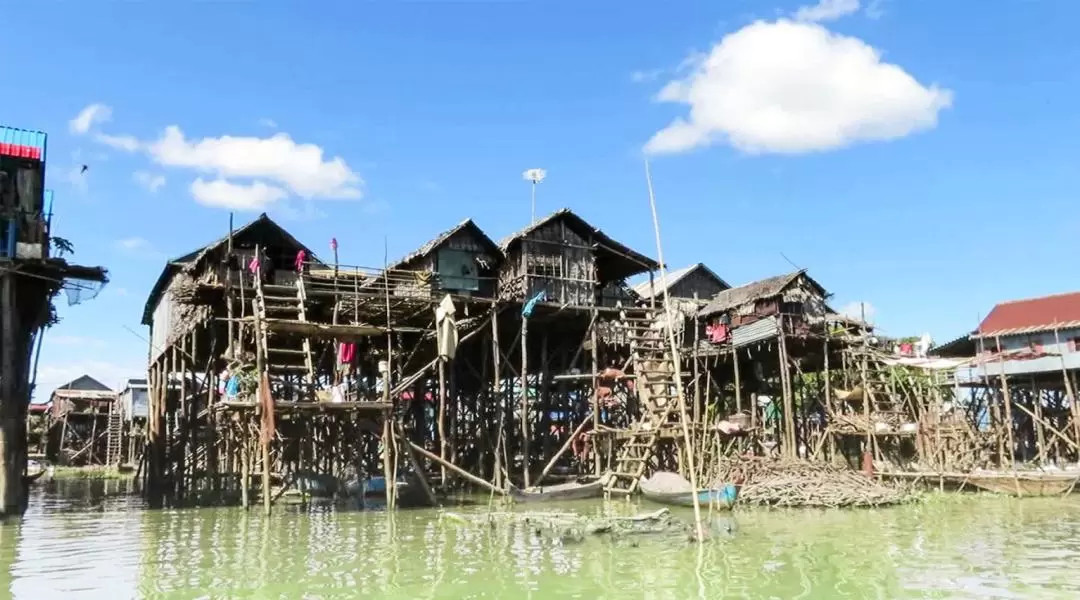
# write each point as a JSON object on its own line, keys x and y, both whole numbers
{"x": 232, "y": 388}
{"x": 530, "y": 306}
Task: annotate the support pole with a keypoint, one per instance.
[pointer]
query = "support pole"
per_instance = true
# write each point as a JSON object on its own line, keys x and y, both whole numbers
{"x": 525, "y": 400}
{"x": 1008, "y": 406}
{"x": 595, "y": 352}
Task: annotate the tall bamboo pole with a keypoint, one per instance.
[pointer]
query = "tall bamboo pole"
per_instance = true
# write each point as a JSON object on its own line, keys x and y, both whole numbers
{"x": 688, "y": 444}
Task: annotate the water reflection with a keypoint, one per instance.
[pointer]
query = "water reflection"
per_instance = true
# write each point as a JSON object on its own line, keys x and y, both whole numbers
{"x": 90, "y": 540}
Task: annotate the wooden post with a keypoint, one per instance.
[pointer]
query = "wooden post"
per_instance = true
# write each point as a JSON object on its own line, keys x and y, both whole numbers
{"x": 1040, "y": 435}
{"x": 441, "y": 424}
{"x": 696, "y": 369}
{"x": 1070, "y": 391}
{"x": 500, "y": 408}
{"x": 1008, "y": 406}
{"x": 595, "y": 353}
{"x": 525, "y": 400}
{"x": 785, "y": 388}
{"x": 738, "y": 384}
{"x": 11, "y": 487}
{"x": 828, "y": 398}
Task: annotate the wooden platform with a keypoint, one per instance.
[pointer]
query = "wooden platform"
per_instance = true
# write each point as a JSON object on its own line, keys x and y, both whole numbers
{"x": 308, "y": 407}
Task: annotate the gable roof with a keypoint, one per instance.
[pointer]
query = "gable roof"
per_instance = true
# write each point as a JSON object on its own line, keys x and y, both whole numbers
{"x": 434, "y": 244}
{"x": 674, "y": 277}
{"x": 85, "y": 383}
{"x": 193, "y": 258}
{"x": 615, "y": 251}
{"x": 756, "y": 290}
{"x": 1032, "y": 315}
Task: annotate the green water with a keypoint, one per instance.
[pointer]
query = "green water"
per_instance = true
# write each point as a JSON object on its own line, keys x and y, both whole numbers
{"x": 87, "y": 539}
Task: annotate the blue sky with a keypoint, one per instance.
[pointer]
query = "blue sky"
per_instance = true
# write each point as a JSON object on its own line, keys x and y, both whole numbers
{"x": 915, "y": 155}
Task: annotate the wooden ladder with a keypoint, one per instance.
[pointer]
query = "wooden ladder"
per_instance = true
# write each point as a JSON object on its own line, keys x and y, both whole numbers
{"x": 657, "y": 393}
{"x": 289, "y": 307}
{"x": 114, "y": 436}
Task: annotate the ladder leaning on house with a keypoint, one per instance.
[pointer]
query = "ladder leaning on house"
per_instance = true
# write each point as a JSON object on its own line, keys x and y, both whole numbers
{"x": 283, "y": 306}
{"x": 114, "y": 435}
{"x": 657, "y": 391}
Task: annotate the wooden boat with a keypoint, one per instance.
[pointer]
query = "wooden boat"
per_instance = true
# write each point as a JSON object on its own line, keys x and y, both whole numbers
{"x": 674, "y": 490}
{"x": 581, "y": 489}
{"x": 1018, "y": 483}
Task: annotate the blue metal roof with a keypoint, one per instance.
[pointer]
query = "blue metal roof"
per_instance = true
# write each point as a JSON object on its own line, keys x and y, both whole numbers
{"x": 23, "y": 143}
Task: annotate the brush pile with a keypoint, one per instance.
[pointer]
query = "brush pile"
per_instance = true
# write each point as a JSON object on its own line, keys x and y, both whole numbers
{"x": 785, "y": 482}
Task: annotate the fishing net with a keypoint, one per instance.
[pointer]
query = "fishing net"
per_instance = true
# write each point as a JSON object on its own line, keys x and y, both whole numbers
{"x": 81, "y": 290}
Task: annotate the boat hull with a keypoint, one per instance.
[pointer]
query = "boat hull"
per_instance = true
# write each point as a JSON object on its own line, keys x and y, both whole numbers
{"x": 560, "y": 492}
{"x": 721, "y": 497}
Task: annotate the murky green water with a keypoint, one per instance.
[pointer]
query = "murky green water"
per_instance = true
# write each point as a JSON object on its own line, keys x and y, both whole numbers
{"x": 88, "y": 540}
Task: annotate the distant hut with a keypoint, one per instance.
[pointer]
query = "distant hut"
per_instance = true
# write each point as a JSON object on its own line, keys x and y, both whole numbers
{"x": 80, "y": 426}
{"x": 462, "y": 260}
{"x": 572, "y": 262}
{"x": 792, "y": 304}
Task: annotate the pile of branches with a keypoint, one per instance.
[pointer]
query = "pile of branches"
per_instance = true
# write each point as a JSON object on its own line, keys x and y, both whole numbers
{"x": 786, "y": 482}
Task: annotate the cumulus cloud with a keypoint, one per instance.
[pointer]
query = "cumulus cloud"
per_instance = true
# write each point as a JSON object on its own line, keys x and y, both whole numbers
{"x": 93, "y": 114}
{"x": 856, "y": 310}
{"x": 152, "y": 182}
{"x": 299, "y": 167}
{"x": 272, "y": 168}
{"x": 792, "y": 87}
{"x": 827, "y": 10}
{"x": 221, "y": 193}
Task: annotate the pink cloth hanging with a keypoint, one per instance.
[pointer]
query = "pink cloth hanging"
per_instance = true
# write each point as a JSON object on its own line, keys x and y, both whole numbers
{"x": 346, "y": 352}
{"x": 300, "y": 256}
{"x": 253, "y": 266}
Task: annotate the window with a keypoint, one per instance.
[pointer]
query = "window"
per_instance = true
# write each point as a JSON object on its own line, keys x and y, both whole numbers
{"x": 1074, "y": 344}
{"x": 458, "y": 270}
{"x": 545, "y": 265}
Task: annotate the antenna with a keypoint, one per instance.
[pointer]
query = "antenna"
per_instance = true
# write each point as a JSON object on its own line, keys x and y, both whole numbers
{"x": 534, "y": 176}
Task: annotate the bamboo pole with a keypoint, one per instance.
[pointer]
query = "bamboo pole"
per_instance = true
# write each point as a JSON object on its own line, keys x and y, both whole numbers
{"x": 456, "y": 469}
{"x": 566, "y": 445}
{"x": 1070, "y": 391}
{"x": 499, "y": 399}
{"x": 594, "y": 351}
{"x": 1008, "y": 405}
{"x": 442, "y": 415}
{"x": 675, "y": 358}
{"x": 524, "y": 401}
{"x": 417, "y": 466}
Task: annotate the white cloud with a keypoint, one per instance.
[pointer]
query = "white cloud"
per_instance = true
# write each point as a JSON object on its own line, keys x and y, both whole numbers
{"x": 150, "y": 181}
{"x": 264, "y": 122}
{"x": 224, "y": 194}
{"x": 88, "y": 117}
{"x": 856, "y": 310}
{"x": 298, "y": 167}
{"x": 133, "y": 244}
{"x": 827, "y": 10}
{"x": 126, "y": 143}
{"x": 791, "y": 87}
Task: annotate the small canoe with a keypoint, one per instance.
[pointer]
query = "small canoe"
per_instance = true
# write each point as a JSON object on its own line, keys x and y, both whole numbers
{"x": 672, "y": 489}
{"x": 582, "y": 489}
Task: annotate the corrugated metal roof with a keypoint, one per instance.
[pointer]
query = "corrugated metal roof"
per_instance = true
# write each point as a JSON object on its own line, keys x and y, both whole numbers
{"x": 755, "y": 332}
{"x": 1032, "y": 315}
{"x": 673, "y": 277}
{"x": 22, "y": 143}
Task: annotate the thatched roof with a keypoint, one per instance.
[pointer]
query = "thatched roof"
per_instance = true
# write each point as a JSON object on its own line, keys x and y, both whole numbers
{"x": 263, "y": 225}
{"x": 757, "y": 290}
{"x": 614, "y": 260}
{"x": 434, "y": 244}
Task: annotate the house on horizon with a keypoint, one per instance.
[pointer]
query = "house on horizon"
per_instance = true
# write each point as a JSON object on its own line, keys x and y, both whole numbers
{"x": 690, "y": 282}
{"x": 1033, "y": 336}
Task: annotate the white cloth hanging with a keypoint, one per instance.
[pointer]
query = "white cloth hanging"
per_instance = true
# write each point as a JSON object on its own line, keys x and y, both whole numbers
{"x": 446, "y": 328}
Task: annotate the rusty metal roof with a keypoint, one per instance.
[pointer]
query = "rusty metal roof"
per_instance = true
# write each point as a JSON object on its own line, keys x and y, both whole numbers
{"x": 1016, "y": 317}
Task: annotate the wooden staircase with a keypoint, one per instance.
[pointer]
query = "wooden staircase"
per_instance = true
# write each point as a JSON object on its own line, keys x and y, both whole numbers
{"x": 114, "y": 435}
{"x": 289, "y": 303}
{"x": 654, "y": 369}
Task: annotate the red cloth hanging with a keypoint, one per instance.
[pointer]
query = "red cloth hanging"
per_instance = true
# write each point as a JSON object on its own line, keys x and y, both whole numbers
{"x": 346, "y": 352}
{"x": 300, "y": 256}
